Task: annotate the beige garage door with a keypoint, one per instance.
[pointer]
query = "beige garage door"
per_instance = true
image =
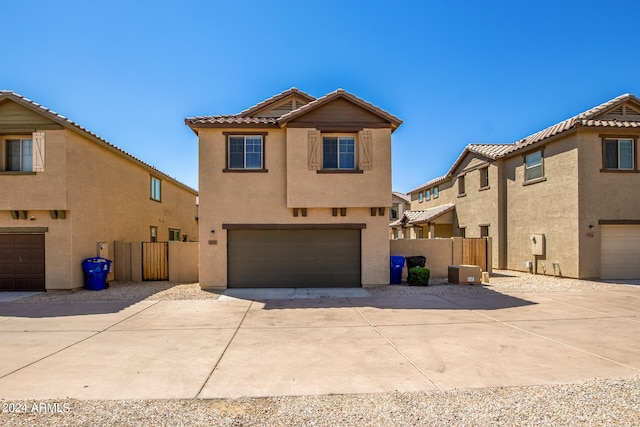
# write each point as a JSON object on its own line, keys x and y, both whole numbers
{"x": 620, "y": 252}
{"x": 293, "y": 258}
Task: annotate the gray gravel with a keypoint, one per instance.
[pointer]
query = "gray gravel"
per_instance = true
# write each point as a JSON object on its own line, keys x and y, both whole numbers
{"x": 594, "y": 403}
{"x": 604, "y": 402}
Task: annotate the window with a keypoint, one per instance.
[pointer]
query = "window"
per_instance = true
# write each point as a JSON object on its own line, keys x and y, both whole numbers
{"x": 421, "y": 197}
{"x": 436, "y": 192}
{"x": 619, "y": 154}
{"x": 484, "y": 178}
{"x": 19, "y": 155}
{"x": 427, "y": 194}
{"x": 245, "y": 152}
{"x": 155, "y": 188}
{"x": 462, "y": 189}
{"x": 533, "y": 166}
{"x": 394, "y": 212}
{"x": 174, "y": 235}
{"x": 484, "y": 231}
{"x": 338, "y": 152}
{"x": 153, "y": 233}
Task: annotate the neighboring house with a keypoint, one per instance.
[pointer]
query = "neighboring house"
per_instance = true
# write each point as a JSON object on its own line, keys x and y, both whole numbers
{"x": 66, "y": 195}
{"x": 561, "y": 201}
{"x": 400, "y": 202}
{"x": 294, "y": 192}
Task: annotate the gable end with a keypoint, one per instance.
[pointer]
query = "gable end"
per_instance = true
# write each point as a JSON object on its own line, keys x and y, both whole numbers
{"x": 339, "y": 114}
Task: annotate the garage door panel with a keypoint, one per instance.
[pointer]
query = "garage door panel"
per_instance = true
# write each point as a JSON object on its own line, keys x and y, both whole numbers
{"x": 620, "y": 252}
{"x": 293, "y": 258}
{"x": 22, "y": 262}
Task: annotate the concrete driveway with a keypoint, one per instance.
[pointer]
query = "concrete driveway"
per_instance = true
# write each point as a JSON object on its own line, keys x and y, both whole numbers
{"x": 253, "y": 345}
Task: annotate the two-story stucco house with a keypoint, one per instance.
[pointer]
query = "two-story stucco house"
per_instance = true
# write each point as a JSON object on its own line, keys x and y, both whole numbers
{"x": 295, "y": 192}
{"x": 66, "y": 195}
{"x": 561, "y": 201}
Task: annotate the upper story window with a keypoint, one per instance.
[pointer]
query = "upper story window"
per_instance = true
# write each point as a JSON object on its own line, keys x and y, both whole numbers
{"x": 421, "y": 197}
{"x": 338, "y": 152}
{"x": 156, "y": 186}
{"x": 533, "y": 167}
{"x": 19, "y": 155}
{"x": 484, "y": 177}
{"x": 393, "y": 213}
{"x": 436, "y": 192}
{"x": 245, "y": 152}
{"x": 619, "y": 153}
{"x": 427, "y": 194}
{"x": 462, "y": 187}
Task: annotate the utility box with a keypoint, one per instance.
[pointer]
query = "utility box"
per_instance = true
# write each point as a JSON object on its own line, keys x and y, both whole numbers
{"x": 537, "y": 244}
{"x": 465, "y": 275}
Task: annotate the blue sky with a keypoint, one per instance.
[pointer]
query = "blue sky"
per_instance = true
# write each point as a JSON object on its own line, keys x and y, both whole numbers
{"x": 456, "y": 72}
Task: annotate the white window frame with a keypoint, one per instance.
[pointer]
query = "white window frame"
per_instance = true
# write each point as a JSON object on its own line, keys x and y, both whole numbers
{"x": 436, "y": 192}
{"x": 245, "y": 153}
{"x": 618, "y": 140}
{"x": 5, "y": 153}
{"x": 484, "y": 177}
{"x": 421, "y": 197}
{"x": 340, "y": 138}
{"x": 156, "y": 189}
{"x": 172, "y": 234}
{"x": 528, "y": 168}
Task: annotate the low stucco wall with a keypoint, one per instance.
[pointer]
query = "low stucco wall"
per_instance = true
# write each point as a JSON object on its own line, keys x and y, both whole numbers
{"x": 439, "y": 253}
{"x": 183, "y": 262}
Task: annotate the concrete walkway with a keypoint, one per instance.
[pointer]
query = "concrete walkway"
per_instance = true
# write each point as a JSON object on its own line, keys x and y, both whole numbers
{"x": 252, "y": 345}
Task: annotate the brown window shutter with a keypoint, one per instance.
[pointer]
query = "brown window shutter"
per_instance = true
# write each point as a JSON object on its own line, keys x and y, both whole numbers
{"x": 314, "y": 149}
{"x": 38, "y": 151}
{"x": 366, "y": 150}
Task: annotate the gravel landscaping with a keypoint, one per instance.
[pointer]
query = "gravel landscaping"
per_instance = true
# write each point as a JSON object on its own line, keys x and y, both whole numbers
{"x": 603, "y": 402}
{"x": 594, "y": 403}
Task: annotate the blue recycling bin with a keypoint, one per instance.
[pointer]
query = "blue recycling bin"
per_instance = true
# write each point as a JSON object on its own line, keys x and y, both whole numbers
{"x": 397, "y": 263}
{"x": 95, "y": 273}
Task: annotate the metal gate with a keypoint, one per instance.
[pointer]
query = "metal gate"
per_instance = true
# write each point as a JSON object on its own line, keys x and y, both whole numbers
{"x": 474, "y": 252}
{"x": 155, "y": 260}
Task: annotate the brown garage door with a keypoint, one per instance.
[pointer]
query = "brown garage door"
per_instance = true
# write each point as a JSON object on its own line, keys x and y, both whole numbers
{"x": 22, "y": 262}
{"x": 293, "y": 258}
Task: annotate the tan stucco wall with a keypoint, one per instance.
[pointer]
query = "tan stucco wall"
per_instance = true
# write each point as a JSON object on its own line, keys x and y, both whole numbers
{"x": 439, "y": 253}
{"x": 446, "y": 194}
{"x": 478, "y": 207}
{"x": 307, "y": 188}
{"x": 261, "y": 198}
{"x": 105, "y": 196}
{"x": 549, "y": 207}
{"x": 109, "y": 198}
{"x": 603, "y": 196}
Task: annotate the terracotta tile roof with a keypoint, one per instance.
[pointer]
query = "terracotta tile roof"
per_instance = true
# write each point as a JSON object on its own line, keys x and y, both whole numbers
{"x": 586, "y": 119}
{"x": 245, "y": 118}
{"x": 491, "y": 151}
{"x": 340, "y": 93}
{"x": 405, "y": 197}
{"x": 423, "y": 216}
{"x": 430, "y": 183}
{"x": 230, "y": 120}
{"x": 275, "y": 98}
{"x": 6, "y": 94}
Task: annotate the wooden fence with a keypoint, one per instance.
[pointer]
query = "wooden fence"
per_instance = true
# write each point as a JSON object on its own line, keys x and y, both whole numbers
{"x": 155, "y": 260}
